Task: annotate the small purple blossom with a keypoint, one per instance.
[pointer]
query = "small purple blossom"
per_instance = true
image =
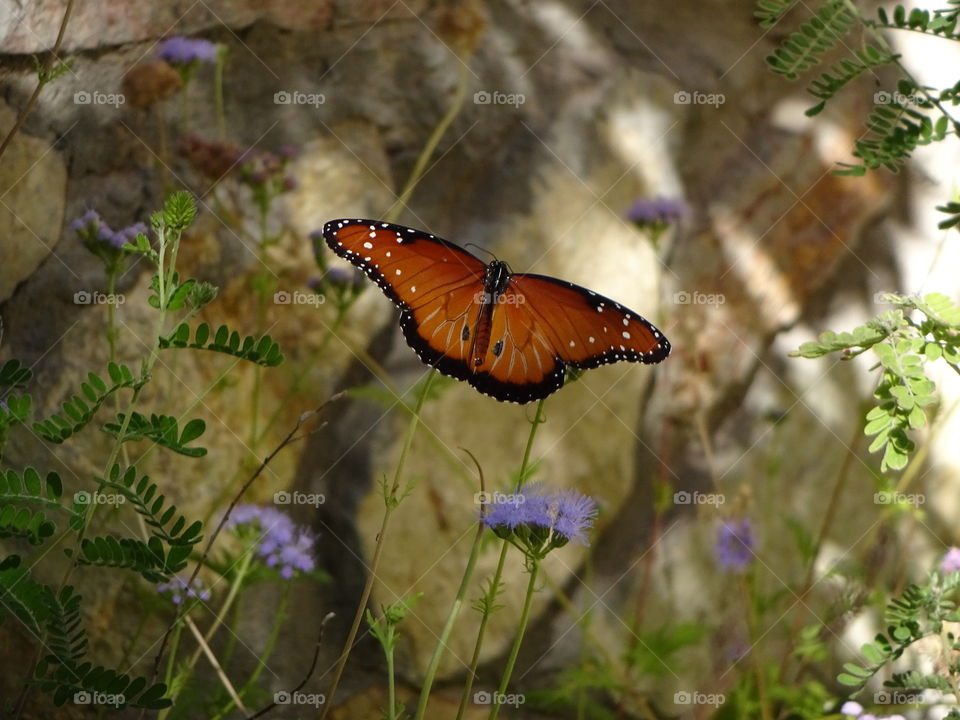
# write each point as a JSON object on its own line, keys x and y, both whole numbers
{"x": 851, "y": 708}
{"x": 542, "y": 518}
{"x": 177, "y": 587}
{"x": 282, "y": 543}
{"x": 657, "y": 210}
{"x": 179, "y": 50}
{"x": 96, "y": 234}
{"x": 734, "y": 546}
{"x": 90, "y": 220}
{"x": 951, "y": 560}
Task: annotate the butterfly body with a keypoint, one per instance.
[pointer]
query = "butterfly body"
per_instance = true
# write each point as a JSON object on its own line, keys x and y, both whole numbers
{"x": 510, "y": 335}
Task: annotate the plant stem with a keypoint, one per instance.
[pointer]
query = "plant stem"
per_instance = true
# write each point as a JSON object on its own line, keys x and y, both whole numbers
{"x": 494, "y": 588}
{"x": 518, "y": 639}
{"x": 43, "y": 77}
{"x": 448, "y": 626}
{"x": 390, "y": 505}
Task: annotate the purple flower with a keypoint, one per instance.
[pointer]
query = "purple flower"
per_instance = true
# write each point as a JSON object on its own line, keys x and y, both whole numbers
{"x": 734, "y": 547}
{"x": 651, "y": 211}
{"x": 281, "y": 543}
{"x": 851, "y": 708}
{"x": 540, "y": 518}
{"x": 177, "y": 587}
{"x": 90, "y": 220}
{"x": 97, "y": 235}
{"x": 951, "y": 561}
{"x": 182, "y": 51}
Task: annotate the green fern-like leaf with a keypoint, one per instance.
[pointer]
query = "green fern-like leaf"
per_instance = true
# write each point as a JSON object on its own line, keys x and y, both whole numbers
{"x": 147, "y": 558}
{"x": 78, "y": 411}
{"x": 942, "y": 23}
{"x": 24, "y": 598}
{"x": 15, "y": 409}
{"x": 769, "y": 12}
{"x": 803, "y": 48}
{"x": 264, "y": 351}
{"x": 24, "y": 498}
{"x": 13, "y": 374}
{"x": 896, "y": 131}
{"x": 166, "y": 524}
{"x": 162, "y": 429}
{"x": 842, "y": 73}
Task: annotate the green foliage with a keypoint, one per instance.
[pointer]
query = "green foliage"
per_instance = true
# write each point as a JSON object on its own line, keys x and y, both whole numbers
{"x": 901, "y": 120}
{"x": 24, "y": 500}
{"x": 162, "y": 429}
{"x": 166, "y": 524}
{"x": 803, "y": 48}
{"x": 22, "y": 597}
{"x": 78, "y": 411}
{"x": 146, "y": 558}
{"x": 264, "y": 351}
{"x": 903, "y": 347}
{"x": 953, "y": 210}
{"x": 13, "y": 374}
{"x": 919, "y": 612}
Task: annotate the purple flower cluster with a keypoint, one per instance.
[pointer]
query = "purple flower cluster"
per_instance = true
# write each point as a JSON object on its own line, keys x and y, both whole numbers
{"x": 281, "y": 543}
{"x": 93, "y": 230}
{"x": 657, "y": 210}
{"x": 183, "y": 51}
{"x": 541, "y": 518}
{"x": 951, "y": 560}
{"x": 177, "y": 588}
{"x": 853, "y": 709}
{"x": 734, "y": 546}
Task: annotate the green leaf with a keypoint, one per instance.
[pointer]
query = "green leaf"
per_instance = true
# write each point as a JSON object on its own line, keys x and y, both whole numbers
{"x": 162, "y": 429}
{"x": 263, "y": 351}
{"x": 13, "y": 374}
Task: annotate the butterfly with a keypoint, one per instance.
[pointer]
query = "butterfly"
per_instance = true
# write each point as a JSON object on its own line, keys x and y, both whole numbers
{"x": 510, "y": 335}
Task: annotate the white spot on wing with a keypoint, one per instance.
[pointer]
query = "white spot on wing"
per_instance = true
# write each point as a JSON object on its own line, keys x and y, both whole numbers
{"x": 368, "y": 245}
{"x": 398, "y": 271}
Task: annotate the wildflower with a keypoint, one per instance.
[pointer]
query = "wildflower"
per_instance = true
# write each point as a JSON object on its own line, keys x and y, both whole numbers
{"x": 734, "y": 547}
{"x": 150, "y": 82}
{"x": 951, "y": 560}
{"x": 100, "y": 239}
{"x": 539, "y": 519}
{"x": 183, "y": 51}
{"x": 282, "y": 543}
{"x": 177, "y": 587}
{"x": 851, "y": 709}
{"x": 656, "y": 211}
